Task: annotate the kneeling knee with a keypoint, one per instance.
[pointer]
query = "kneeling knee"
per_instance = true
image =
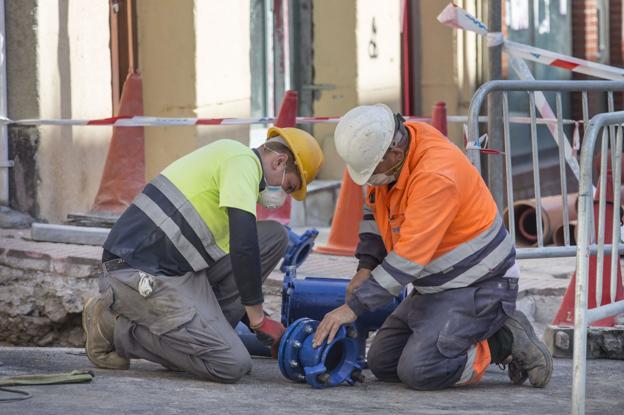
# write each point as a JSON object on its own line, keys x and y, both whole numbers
{"x": 382, "y": 368}
{"x": 425, "y": 378}
{"x": 230, "y": 371}
{"x": 235, "y": 371}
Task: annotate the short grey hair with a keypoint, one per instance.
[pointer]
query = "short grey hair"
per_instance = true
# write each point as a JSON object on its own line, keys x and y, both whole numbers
{"x": 401, "y": 136}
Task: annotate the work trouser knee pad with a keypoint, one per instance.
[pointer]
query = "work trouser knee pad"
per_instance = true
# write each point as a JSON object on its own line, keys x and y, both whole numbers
{"x": 382, "y": 367}
{"x": 425, "y": 378}
{"x": 225, "y": 372}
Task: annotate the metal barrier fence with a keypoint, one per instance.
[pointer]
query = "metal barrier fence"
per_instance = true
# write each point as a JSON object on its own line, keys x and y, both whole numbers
{"x": 555, "y": 123}
{"x": 611, "y": 126}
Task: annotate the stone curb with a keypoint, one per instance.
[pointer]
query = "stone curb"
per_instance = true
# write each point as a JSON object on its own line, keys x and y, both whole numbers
{"x": 70, "y": 266}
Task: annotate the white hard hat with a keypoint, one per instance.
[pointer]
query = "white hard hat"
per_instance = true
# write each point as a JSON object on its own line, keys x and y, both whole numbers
{"x": 362, "y": 137}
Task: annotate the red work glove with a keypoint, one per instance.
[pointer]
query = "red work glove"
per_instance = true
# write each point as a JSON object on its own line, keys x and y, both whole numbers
{"x": 269, "y": 332}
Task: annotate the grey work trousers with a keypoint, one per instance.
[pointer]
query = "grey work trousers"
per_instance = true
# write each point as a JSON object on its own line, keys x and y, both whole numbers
{"x": 186, "y": 322}
{"x": 424, "y": 343}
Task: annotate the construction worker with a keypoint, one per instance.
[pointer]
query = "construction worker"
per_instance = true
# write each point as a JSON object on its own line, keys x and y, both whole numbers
{"x": 430, "y": 221}
{"x": 187, "y": 259}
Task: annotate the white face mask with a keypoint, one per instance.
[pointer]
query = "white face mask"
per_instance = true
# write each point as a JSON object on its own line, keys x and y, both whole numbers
{"x": 273, "y": 197}
{"x": 380, "y": 179}
{"x": 384, "y": 178}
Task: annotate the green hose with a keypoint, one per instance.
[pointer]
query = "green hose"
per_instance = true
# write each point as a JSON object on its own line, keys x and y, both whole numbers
{"x": 76, "y": 376}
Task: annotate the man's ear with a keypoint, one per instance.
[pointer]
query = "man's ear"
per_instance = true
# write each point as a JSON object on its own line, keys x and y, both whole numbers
{"x": 280, "y": 160}
{"x": 399, "y": 155}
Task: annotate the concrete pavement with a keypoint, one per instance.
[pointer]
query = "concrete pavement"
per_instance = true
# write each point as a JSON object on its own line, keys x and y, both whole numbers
{"x": 56, "y": 278}
{"x": 149, "y": 389}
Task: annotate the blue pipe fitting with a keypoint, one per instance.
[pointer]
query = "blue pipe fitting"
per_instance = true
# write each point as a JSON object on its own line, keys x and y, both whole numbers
{"x": 299, "y": 247}
{"x": 254, "y": 346}
{"x": 330, "y": 364}
{"x": 314, "y": 297}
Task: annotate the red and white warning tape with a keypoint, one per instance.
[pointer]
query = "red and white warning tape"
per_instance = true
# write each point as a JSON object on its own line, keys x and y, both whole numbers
{"x": 146, "y": 121}
{"x": 456, "y": 17}
{"x": 543, "y": 107}
{"x": 558, "y": 60}
{"x": 143, "y": 121}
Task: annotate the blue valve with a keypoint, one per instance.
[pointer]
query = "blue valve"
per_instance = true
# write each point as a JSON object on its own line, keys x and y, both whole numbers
{"x": 330, "y": 364}
{"x": 313, "y": 297}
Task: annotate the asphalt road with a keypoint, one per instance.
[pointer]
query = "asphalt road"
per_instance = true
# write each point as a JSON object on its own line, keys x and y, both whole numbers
{"x": 149, "y": 389}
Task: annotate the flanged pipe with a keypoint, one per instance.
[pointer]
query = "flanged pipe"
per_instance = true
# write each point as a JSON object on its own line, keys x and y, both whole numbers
{"x": 313, "y": 297}
{"x": 254, "y": 346}
{"x": 299, "y": 247}
{"x": 330, "y": 364}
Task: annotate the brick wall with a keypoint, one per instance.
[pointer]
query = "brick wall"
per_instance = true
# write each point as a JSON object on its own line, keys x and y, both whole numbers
{"x": 585, "y": 29}
{"x": 585, "y": 46}
{"x": 616, "y": 49}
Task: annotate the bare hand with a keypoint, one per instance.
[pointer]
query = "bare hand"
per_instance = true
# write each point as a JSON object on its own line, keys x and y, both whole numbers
{"x": 331, "y": 323}
{"x": 357, "y": 280}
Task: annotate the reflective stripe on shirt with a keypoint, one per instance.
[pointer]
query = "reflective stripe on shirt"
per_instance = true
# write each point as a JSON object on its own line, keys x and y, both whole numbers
{"x": 368, "y": 224}
{"x": 395, "y": 271}
{"x": 190, "y": 215}
{"x": 172, "y": 230}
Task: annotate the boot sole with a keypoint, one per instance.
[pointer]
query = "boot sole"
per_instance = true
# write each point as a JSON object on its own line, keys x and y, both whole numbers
{"x": 516, "y": 375}
{"x": 524, "y": 322}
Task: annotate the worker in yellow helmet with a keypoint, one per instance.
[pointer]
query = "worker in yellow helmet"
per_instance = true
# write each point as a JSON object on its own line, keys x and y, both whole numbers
{"x": 187, "y": 259}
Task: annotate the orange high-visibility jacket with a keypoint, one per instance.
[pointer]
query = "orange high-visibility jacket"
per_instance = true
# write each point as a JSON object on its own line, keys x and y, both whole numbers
{"x": 438, "y": 223}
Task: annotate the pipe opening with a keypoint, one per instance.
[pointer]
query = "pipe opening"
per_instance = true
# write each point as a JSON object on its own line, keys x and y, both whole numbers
{"x": 528, "y": 225}
{"x": 558, "y": 236}
{"x": 335, "y": 356}
{"x": 302, "y": 254}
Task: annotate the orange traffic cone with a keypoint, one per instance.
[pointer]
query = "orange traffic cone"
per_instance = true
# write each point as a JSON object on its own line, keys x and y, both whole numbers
{"x": 565, "y": 315}
{"x": 287, "y": 117}
{"x": 124, "y": 172}
{"x": 344, "y": 233}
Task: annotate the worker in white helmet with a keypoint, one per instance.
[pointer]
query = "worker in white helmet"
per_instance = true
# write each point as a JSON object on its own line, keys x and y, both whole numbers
{"x": 430, "y": 221}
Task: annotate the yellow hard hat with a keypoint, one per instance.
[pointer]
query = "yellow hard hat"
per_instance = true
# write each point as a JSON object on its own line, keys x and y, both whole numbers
{"x": 307, "y": 152}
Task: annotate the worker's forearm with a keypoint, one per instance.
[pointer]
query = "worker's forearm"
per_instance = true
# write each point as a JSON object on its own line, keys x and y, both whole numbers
{"x": 255, "y": 313}
{"x": 245, "y": 256}
{"x": 369, "y": 296}
{"x": 371, "y": 251}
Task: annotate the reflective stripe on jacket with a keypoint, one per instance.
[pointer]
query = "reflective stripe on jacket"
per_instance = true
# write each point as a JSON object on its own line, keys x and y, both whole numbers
{"x": 162, "y": 233}
{"x": 438, "y": 223}
{"x": 180, "y": 223}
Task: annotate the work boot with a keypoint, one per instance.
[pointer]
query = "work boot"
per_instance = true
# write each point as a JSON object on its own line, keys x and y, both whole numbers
{"x": 517, "y": 375}
{"x": 529, "y": 356}
{"x": 98, "y": 323}
{"x": 500, "y": 354}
